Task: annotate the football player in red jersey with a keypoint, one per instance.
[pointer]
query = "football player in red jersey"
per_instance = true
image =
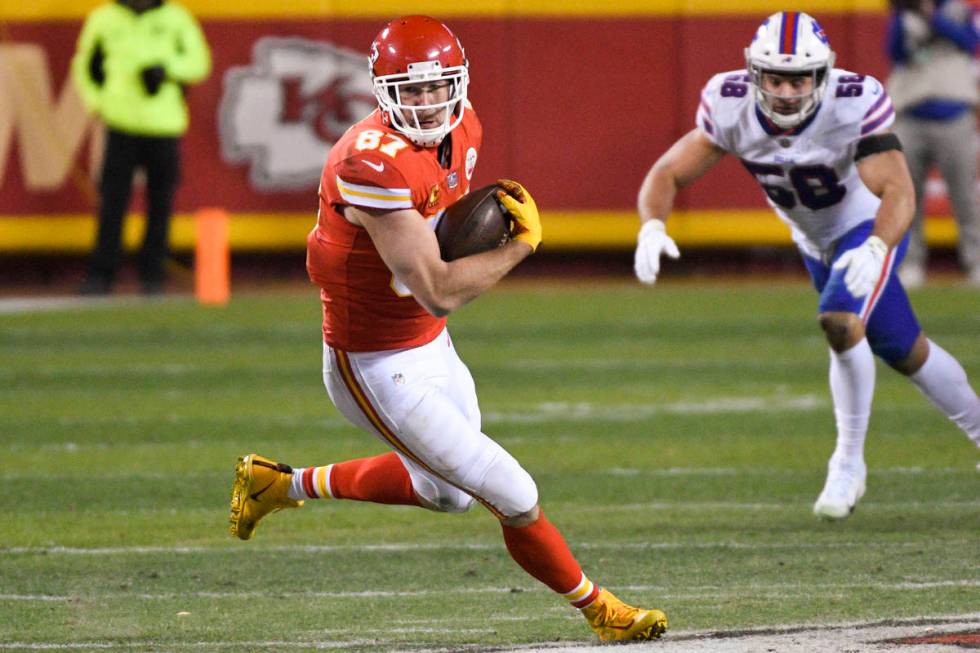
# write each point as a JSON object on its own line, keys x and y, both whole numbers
{"x": 389, "y": 364}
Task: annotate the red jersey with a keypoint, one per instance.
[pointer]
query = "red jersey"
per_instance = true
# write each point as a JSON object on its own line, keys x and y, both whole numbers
{"x": 365, "y": 308}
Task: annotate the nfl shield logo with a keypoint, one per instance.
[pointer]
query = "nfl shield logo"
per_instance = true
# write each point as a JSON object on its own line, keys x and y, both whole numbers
{"x": 453, "y": 179}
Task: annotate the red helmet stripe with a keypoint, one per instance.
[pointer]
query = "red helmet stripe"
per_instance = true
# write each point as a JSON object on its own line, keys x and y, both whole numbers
{"x": 787, "y": 44}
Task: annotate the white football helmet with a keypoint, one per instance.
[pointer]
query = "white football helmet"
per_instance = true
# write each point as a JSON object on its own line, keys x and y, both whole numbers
{"x": 790, "y": 43}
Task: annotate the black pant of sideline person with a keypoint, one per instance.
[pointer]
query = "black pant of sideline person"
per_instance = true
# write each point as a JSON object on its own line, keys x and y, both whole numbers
{"x": 124, "y": 153}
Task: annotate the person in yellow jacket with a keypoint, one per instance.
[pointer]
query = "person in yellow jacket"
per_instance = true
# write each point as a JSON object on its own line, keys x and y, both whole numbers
{"x": 133, "y": 61}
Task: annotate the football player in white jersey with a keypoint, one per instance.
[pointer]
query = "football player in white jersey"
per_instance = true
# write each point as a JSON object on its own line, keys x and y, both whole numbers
{"x": 816, "y": 139}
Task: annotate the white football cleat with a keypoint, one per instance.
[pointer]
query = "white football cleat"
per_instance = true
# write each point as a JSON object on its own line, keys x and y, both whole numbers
{"x": 841, "y": 492}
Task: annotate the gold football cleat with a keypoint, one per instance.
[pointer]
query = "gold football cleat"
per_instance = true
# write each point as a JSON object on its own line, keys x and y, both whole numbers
{"x": 612, "y": 620}
{"x": 261, "y": 486}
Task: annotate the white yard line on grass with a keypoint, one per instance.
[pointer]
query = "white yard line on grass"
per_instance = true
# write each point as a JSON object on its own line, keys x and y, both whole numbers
{"x": 16, "y": 305}
{"x": 771, "y": 471}
{"x": 21, "y": 305}
{"x": 642, "y": 362}
{"x": 670, "y": 472}
{"x": 560, "y": 411}
{"x": 541, "y": 413}
{"x": 730, "y": 505}
{"x": 410, "y": 546}
{"x": 776, "y": 590}
{"x": 117, "y": 371}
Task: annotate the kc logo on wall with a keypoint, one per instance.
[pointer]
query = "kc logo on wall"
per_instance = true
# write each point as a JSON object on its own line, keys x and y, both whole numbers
{"x": 282, "y": 114}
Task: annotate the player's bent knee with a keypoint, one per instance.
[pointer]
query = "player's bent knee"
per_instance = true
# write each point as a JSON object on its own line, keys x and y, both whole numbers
{"x": 508, "y": 487}
{"x": 522, "y": 520}
{"x": 842, "y": 330}
{"x": 908, "y": 362}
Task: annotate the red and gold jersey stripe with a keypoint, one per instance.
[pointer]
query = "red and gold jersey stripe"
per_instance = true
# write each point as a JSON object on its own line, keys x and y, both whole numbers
{"x": 375, "y": 197}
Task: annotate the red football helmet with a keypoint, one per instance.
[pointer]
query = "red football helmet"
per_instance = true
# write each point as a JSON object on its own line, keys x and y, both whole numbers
{"x": 416, "y": 50}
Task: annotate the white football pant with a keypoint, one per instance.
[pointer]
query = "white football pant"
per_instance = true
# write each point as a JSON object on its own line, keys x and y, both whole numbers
{"x": 422, "y": 403}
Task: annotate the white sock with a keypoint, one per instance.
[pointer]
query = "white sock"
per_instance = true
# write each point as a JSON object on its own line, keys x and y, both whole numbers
{"x": 943, "y": 381}
{"x": 310, "y": 483}
{"x": 296, "y": 491}
{"x": 852, "y": 385}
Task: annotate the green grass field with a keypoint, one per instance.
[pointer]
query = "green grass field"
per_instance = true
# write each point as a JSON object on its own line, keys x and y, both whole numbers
{"x": 678, "y": 435}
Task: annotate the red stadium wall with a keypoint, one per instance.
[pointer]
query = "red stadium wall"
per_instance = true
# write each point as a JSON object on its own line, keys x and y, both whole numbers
{"x": 577, "y": 108}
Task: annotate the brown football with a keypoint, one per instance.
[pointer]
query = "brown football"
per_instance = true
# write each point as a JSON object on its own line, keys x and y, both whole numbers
{"x": 476, "y": 223}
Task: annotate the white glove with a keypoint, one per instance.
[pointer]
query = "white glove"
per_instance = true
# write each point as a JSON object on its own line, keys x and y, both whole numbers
{"x": 652, "y": 242}
{"x": 864, "y": 265}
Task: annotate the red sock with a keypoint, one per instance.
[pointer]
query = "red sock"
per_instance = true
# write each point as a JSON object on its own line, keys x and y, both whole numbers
{"x": 379, "y": 479}
{"x": 541, "y": 551}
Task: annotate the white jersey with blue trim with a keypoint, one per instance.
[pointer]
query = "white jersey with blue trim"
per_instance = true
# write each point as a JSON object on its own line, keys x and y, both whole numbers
{"x": 808, "y": 173}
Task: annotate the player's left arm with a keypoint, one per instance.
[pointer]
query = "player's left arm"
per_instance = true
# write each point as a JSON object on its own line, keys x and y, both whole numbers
{"x": 882, "y": 167}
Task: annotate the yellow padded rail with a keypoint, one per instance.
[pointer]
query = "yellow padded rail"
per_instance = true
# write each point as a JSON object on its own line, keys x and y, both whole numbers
{"x": 45, "y": 10}
{"x": 563, "y": 230}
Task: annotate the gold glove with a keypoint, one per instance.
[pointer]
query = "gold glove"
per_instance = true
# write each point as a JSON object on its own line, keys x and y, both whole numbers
{"x": 526, "y": 225}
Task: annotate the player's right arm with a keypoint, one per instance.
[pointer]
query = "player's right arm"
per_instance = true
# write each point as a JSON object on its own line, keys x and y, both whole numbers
{"x": 409, "y": 248}
{"x": 689, "y": 158}
{"x": 375, "y": 193}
